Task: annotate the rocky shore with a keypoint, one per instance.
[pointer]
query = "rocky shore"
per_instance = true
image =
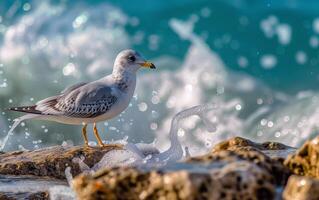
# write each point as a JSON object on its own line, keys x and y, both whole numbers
{"x": 234, "y": 169}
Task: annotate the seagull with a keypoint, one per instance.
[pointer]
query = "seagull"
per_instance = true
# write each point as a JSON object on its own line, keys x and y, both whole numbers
{"x": 92, "y": 102}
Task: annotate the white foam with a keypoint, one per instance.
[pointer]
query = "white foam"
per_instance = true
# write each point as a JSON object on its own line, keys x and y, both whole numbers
{"x": 268, "y": 61}
{"x": 272, "y": 27}
{"x": 301, "y": 57}
{"x": 315, "y": 25}
{"x": 288, "y": 127}
{"x": 61, "y": 193}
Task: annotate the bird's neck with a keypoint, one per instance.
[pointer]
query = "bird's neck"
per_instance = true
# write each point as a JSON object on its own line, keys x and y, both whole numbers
{"x": 124, "y": 79}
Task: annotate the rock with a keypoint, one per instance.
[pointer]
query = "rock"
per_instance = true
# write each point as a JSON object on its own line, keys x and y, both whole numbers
{"x": 234, "y": 169}
{"x": 247, "y": 150}
{"x": 305, "y": 161}
{"x": 27, "y": 196}
{"x": 39, "y": 196}
{"x": 5, "y": 197}
{"x": 237, "y": 180}
{"x": 27, "y": 186}
{"x": 239, "y": 142}
{"x": 50, "y": 161}
{"x": 301, "y": 188}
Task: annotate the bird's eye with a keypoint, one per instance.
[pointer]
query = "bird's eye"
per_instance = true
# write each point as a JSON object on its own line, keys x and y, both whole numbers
{"x": 131, "y": 58}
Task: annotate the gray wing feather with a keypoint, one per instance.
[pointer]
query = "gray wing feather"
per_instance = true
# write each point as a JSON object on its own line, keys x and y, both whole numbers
{"x": 82, "y": 101}
{"x": 73, "y": 87}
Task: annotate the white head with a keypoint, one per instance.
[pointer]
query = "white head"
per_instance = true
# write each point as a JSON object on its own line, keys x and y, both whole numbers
{"x": 130, "y": 61}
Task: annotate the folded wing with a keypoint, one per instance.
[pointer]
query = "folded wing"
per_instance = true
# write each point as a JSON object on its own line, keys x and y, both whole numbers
{"x": 80, "y": 101}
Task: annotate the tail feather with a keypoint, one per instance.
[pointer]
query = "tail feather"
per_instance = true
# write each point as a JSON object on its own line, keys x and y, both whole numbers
{"x": 26, "y": 109}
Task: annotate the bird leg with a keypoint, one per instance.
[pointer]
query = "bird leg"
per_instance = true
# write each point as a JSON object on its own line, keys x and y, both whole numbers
{"x": 86, "y": 142}
{"x": 96, "y": 133}
{"x": 101, "y": 144}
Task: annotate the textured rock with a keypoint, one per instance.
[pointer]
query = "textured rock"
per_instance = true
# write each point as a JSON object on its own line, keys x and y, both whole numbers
{"x": 5, "y": 197}
{"x": 239, "y": 142}
{"x": 305, "y": 161}
{"x": 27, "y": 186}
{"x": 234, "y": 169}
{"x": 238, "y": 180}
{"x": 49, "y": 161}
{"x": 301, "y": 188}
{"x": 244, "y": 149}
{"x": 26, "y": 196}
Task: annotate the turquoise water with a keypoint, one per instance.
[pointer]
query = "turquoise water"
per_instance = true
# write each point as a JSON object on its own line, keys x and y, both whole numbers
{"x": 257, "y": 60}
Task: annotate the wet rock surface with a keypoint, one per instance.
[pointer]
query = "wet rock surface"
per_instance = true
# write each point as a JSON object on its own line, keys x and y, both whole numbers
{"x": 27, "y": 187}
{"x": 305, "y": 161}
{"x": 234, "y": 169}
{"x": 275, "y": 167}
{"x": 241, "y": 143}
{"x": 50, "y": 161}
{"x": 301, "y": 188}
{"x": 239, "y": 148}
{"x": 26, "y": 196}
{"x": 237, "y": 180}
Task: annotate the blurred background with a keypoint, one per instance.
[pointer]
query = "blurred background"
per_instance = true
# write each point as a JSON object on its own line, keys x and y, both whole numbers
{"x": 256, "y": 60}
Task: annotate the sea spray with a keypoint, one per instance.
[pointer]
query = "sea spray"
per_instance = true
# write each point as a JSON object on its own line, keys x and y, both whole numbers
{"x": 148, "y": 154}
{"x": 175, "y": 151}
{"x": 17, "y": 121}
{"x": 62, "y": 192}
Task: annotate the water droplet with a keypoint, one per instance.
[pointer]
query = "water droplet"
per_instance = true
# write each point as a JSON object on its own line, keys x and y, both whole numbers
{"x": 270, "y": 124}
{"x": 277, "y": 134}
{"x": 68, "y": 69}
{"x": 80, "y": 20}
{"x": 142, "y": 107}
{"x": 259, "y": 133}
{"x": 181, "y": 132}
{"x": 260, "y": 101}
{"x": 238, "y": 107}
{"x": 155, "y": 99}
{"x": 263, "y": 122}
{"x": 26, "y": 7}
{"x": 112, "y": 128}
{"x": 153, "y": 126}
{"x": 92, "y": 143}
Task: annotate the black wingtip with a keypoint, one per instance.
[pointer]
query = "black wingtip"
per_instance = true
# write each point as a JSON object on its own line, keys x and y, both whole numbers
{"x": 9, "y": 109}
{"x": 25, "y": 109}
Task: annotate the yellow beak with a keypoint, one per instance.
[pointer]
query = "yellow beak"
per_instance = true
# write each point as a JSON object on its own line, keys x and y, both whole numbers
{"x": 148, "y": 64}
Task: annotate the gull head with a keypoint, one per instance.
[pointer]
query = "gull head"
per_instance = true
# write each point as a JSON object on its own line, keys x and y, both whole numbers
{"x": 130, "y": 61}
